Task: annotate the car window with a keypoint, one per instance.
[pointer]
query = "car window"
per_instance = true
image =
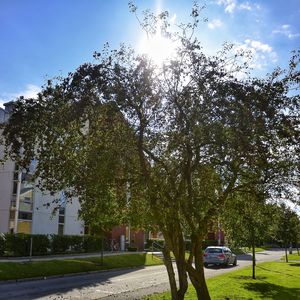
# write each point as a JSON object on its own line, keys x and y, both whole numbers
{"x": 213, "y": 250}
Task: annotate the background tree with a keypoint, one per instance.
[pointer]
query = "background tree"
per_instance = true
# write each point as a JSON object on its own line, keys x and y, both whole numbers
{"x": 246, "y": 220}
{"x": 286, "y": 227}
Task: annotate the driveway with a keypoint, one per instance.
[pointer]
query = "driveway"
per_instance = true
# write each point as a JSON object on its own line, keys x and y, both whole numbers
{"x": 117, "y": 284}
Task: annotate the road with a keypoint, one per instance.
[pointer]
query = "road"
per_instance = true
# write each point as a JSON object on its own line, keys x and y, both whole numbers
{"x": 117, "y": 284}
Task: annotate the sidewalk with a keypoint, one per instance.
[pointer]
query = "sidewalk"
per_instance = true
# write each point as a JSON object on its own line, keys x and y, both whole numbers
{"x": 65, "y": 256}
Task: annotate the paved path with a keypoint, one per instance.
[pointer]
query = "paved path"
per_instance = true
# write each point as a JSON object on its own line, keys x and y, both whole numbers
{"x": 117, "y": 284}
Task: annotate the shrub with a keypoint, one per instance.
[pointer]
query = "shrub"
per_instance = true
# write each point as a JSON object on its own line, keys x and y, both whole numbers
{"x": 59, "y": 243}
{"x": 40, "y": 244}
{"x": 94, "y": 243}
{"x": 17, "y": 244}
{"x": 2, "y": 244}
{"x": 207, "y": 243}
{"x": 149, "y": 243}
{"x": 131, "y": 249}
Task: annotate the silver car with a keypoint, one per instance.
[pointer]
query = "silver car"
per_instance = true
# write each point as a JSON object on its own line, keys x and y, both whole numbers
{"x": 216, "y": 255}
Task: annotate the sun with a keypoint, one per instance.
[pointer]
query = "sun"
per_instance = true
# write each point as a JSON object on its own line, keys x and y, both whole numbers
{"x": 157, "y": 48}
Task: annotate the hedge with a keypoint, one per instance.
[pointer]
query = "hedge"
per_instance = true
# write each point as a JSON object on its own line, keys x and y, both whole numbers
{"x": 19, "y": 244}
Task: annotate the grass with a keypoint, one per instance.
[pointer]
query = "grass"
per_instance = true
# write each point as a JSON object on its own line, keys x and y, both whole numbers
{"x": 275, "y": 280}
{"x": 291, "y": 257}
{"x": 12, "y": 270}
{"x": 257, "y": 249}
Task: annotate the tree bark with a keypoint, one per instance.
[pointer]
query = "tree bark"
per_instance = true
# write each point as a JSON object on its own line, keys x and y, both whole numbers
{"x": 286, "y": 255}
{"x": 253, "y": 260}
{"x": 197, "y": 274}
{"x": 171, "y": 273}
{"x": 181, "y": 267}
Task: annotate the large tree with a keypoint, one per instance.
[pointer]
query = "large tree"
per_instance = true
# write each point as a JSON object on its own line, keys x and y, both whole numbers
{"x": 159, "y": 145}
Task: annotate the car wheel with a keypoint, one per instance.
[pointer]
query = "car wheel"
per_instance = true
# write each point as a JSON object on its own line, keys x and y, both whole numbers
{"x": 235, "y": 262}
{"x": 205, "y": 265}
{"x": 226, "y": 263}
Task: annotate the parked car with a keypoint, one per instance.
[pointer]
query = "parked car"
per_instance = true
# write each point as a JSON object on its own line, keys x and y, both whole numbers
{"x": 216, "y": 255}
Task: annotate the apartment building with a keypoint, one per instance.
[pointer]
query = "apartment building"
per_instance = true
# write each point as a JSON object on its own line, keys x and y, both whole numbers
{"x": 24, "y": 208}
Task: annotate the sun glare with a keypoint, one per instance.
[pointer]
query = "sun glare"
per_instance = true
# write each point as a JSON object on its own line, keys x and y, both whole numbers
{"x": 157, "y": 48}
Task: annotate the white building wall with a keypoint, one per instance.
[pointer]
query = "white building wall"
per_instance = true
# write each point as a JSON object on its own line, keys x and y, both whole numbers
{"x": 43, "y": 219}
{"x": 6, "y": 187}
{"x": 73, "y": 225}
{"x": 45, "y": 222}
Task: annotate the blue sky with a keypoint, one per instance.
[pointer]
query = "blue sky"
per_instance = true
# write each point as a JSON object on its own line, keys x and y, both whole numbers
{"x": 42, "y": 38}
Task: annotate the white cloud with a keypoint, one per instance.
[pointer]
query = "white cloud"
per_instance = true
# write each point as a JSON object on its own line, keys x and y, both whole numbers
{"x": 257, "y": 45}
{"x": 30, "y": 91}
{"x": 261, "y": 54}
{"x": 214, "y": 24}
{"x": 231, "y": 5}
{"x": 245, "y": 6}
{"x": 286, "y": 31}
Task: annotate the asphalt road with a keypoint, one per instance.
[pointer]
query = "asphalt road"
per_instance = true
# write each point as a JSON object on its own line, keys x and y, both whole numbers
{"x": 118, "y": 284}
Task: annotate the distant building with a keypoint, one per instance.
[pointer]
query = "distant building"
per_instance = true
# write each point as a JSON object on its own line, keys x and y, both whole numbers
{"x": 24, "y": 208}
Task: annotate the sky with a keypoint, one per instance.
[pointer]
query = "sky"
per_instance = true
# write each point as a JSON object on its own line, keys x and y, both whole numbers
{"x": 40, "y": 39}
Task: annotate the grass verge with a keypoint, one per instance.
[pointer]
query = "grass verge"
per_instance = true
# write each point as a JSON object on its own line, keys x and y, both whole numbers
{"x": 291, "y": 257}
{"x": 20, "y": 270}
{"x": 275, "y": 280}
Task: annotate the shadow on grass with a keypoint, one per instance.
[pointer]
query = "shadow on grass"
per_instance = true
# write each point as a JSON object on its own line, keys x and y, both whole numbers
{"x": 217, "y": 267}
{"x": 294, "y": 264}
{"x": 272, "y": 291}
{"x": 274, "y": 271}
{"x": 243, "y": 277}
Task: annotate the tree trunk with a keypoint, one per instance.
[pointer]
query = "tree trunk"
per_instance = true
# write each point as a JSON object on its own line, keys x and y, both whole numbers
{"x": 253, "y": 260}
{"x": 286, "y": 255}
{"x": 171, "y": 273}
{"x": 181, "y": 267}
{"x": 297, "y": 245}
{"x": 197, "y": 274}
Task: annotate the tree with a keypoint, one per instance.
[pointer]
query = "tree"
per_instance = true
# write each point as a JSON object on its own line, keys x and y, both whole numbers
{"x": 163, "y": 146}
{"x": 246, "y": 220}
{"x": 286, "y": 227}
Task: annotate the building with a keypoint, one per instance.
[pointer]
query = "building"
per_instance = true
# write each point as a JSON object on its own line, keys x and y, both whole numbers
{"x": 24, "y": 208}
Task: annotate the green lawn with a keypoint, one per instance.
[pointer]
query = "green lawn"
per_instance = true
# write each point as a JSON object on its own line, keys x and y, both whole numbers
{"x": 275, "y": 280}
{"x": 11, "y": 270}
{"x": 257, "y": 249}
{"x": 292, "y": 257}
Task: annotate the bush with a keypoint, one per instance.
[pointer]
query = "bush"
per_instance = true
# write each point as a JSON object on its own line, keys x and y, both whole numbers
{"x": 63, "y": 244}
{"x": 2, "y": 244}
{"x": 40, "y": 244}
{"x": 17, "y": 244}
{"x": 207, "y": 243}
{"x": 94, "y": 243}
{"x": 132, "y": 249}
{"x": 149, "y": 243}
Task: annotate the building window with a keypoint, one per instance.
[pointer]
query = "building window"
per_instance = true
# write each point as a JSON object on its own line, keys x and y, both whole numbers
{"x": 15, "y": 187}
{"x": 24, "y": 227}
{"x": 16, "y": 175}
{"x": 25, "y": 215}
{"x": 61, "y": 219}
{"x": 60, "y": 229}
